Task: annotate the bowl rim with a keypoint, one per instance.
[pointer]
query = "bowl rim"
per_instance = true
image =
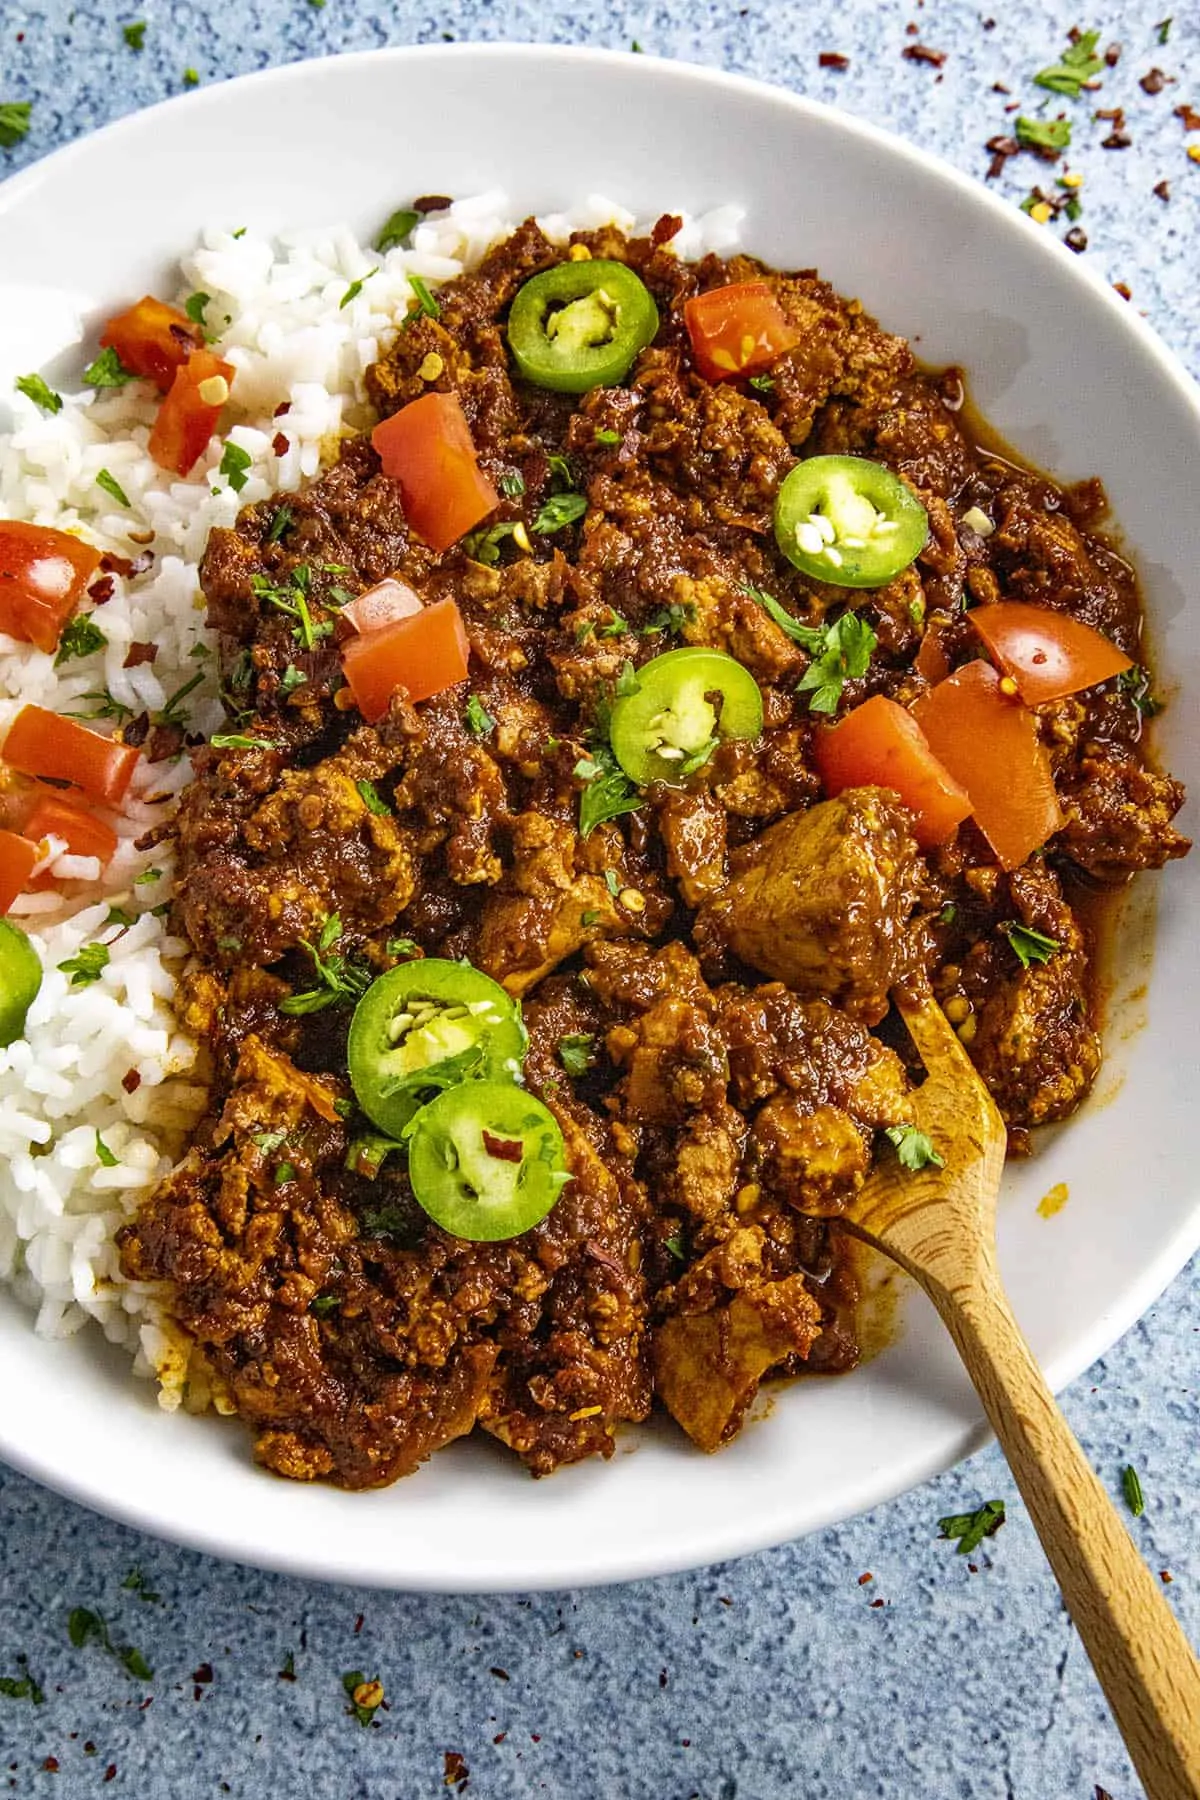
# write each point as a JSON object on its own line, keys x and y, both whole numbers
{"x": 735, "y": 1539}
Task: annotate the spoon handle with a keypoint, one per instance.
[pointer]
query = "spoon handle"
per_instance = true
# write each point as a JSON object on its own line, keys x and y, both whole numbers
{"x": 1137, "y": 1648}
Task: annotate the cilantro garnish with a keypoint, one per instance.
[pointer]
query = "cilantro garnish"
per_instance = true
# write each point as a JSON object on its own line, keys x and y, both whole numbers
{"x": 234, "y": 463}
{"x": 87, "y": 1627}
{"x": 763, "y": 384}
{"x": 14, "y": 121}
{"x": 369, "y": 794}
{"x": 1075, "y": 67}
{"x": 80, "y": 638}
{"x": 842, "y": 654}
{"x": 295, "y": 603}
{"x": 112, "y": 486}
{"x": 1163, "y": 30}
{"x": 670, "y": 619}
{"x": 425, "y": 300}
{"x": 971, "y": 1528}
{"x": 170, "y": 714}
{"x": 104, "y": 1155}
{"x": 809, "y": 637}
{"x": 396, "y": 229}
{"x": 479, "y": 720}
{"x": 24, "y": 1686}
{"x": 1047, "y": 135}
{"x": 1134, "y": 683}
{"x": 35, "y": 389}
{"x": 483, "y": 546}
{"x": 1029, "y": 945}
{"x": 559, "y": 510}
{"x": 194, "y": 307}
{"x": 607, "y": 437}
{"x": 913, "y": 1149}
{"x": 609, "y": 792}
{"x": 338, "y": 977}
{"x": 107, "y": 371}
{"x": 576, "y": 1051}
{"x": 675, "y": 1245}
{"x": 87, "y": 965}
{"x": 135, "y": 1581}
{"x": 241, "y": 740}
{"x": 283, "y": 520}
{"x": 355, "y": 288}
{"x": 291, "y": 679}
{"x": 511, "y": 484}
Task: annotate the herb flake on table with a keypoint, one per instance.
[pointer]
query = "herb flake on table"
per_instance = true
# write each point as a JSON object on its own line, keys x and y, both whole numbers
{"x": 14, "y": 122}
{"x": 1075, "y": 69}
{"x": 35, "y": 389}
{"x": 87, "y": 1627}
{"x": 1049, "y": 137}
{"x": 971, "y": 1528}
{"x": 135, "y": 34}
{"x": 1131, "y": 1487}
{"x": 23, "y": 1686}
{"x": 136, "y": 1583}
{"x": 365, "y": 1696}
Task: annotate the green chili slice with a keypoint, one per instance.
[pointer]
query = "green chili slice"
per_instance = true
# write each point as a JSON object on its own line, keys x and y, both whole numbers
{"x": 486, "y": 1160}
{"x": 20, "y": 982}
{"x": 580, "y": 325}
{"x": 684, "y": 703}
{"x": 426, "y": 1025}
{"x": 848, "y": 521}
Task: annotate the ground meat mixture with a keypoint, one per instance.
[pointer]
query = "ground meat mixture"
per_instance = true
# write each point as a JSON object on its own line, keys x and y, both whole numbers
{"x": 725, "y": 951}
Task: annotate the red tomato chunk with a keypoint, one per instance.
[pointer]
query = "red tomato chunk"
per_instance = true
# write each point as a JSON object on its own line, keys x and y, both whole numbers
{"x": 17, "y": 857}
{"x": 427, "y": 449}
{"x": 152, "y": 339}
{"x": 44, "y": 744}
{"x": 43, "y": 573}
{"x": 187, "y": 417}
{"x": 737, "y": 330}
{"x": 422, "y": 654}
{"x": 880, "y": 744}
{"x": 1048, "y": 654}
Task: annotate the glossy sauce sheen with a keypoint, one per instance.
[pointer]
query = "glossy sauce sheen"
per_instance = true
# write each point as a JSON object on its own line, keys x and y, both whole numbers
{"x": 727, "y": 949}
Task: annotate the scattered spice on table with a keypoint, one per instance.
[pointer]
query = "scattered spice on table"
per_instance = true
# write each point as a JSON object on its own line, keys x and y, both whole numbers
{"x": 1154, "y": 81}
{"x": 833, "y": 59}
{"x": 1162, "y": 190}
{"x": 921, "y": 53}
{"x": 365, "y": 1695}
{"x": 971, "y": 1528}
{"x": 1189, "y": 116}
{"x": 1131, "y": 1487}
{"x": 457, "y": 1774}
{"x": 865, "y": 1577}
{"x": 288, "y": 1671}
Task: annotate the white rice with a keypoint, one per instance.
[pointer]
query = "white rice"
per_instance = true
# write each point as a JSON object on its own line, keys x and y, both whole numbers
{"x": 282, "y": 317}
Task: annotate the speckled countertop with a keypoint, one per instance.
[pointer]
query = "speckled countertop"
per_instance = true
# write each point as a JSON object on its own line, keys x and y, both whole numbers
{"x": 868, "y": 1660}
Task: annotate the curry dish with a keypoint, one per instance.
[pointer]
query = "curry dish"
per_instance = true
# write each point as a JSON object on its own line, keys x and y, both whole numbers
{"x": 750, "y": 683}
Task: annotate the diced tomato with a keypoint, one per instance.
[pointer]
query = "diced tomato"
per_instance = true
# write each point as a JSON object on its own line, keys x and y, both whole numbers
{"x": 153, "y": 339}
{"x": 880, "y": 744}
{"x": 737, "y": 330}
{"x": 423, "y": 654}
{"x": 187, "y": 419}
{"x": 428, "y": 451}
{"x": 56, "y": 749}
{"x": 382, "y": 605}
{"x": 17, "y": 857}
{"x": 85, "y": 835}
{"x": 988, "y": 740}
{"x": 1048, "y": 654}
{"x": 43, "y": 572}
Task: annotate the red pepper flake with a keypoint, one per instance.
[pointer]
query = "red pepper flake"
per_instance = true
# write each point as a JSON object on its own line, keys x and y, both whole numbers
{"x": 1116, "y": 140}
{"x": 864, "y": 1578}
{"x": 1115, "y": 113}
{"x": 1112, "y": 55}
{"x": 204, "y": 1674}
{"x": 102, "y": 590}
{"x": 457, "y": 1773}
{"x": 131, "y": 1081}
{"x": 1123, "y": 289}
{"x": 972, "y": 1568}
{"x": 139, "y": 654}
{"x": 1166, "y": 1577}
{"x": 536, "y": 1736}
{"x": 51, "y": 1765}
{"x": 110, "y": 1774}
{"x": 499, "y": 1737}
{"x": 921, "y": 53}
{"x": 686, "y": 1742}
{"x": 432, "y": 203}
{"x": 1101, "y": 1793}
{"x": 1154, "y": 81}
{"x": 832, "y": 59}
{"x": 988, "y": 24}
{"x": 285, "y": 406}
{"x": 912, "y": 28}
{"x": 1076, "y": 239}
{"x": 500, "y": 1674}
{"x": 1162, "y": 190}
{"x": 669, "y": 226}
{"x": 503, "y": 1149}
{"x": 998, "y": 87}
{"x": 878, "y": 1603}
{"x": 358, "y": 1623}
{"x": 1190, "y": 117}
{"x": 663, "y": 1678}
{"x": 280, "y": 444}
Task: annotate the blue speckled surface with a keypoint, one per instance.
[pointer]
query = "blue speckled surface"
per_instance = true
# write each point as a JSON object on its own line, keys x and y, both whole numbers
{"x": 780, "y": 1674}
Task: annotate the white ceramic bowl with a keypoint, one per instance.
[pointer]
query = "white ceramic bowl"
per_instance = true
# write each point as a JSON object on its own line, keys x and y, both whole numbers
{"x": 1063, "y": 368}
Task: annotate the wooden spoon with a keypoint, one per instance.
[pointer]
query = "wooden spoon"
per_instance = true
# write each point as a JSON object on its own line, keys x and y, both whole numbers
{"x": 938, "y": 1224}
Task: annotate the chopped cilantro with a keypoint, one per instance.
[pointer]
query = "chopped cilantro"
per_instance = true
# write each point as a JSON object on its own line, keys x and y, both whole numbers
{"x": 324, "y": 1304}
{"x": 559, "y": 510}
{"x": 369, "y": 794}
{"x": 293, "y": 600}
{"x": 339, "y": 978}
{"x": 1049, "y": 135}
{"x": 241, "y": 740}
{"x": 356, "y": 288}
{"x": 809, "y": 637}
{"x": 1162, "y": 30}
{"x": 284, "y": 1172}
{"x": 615, "y": 628}
{"x": 590, "y": 918}
{"x": 396, "y": 229}
{"x": 948, "y": 913}
{"x": 291, "y": 679}
{"x": 1131, "y": 1487}
{"x": 135, "y": 34}
{"x": 971, "y": 1528}
{"x": 80, "y": 638}
{"x": 107, "y": 371}
{"x": 483, "y": 546}
{"x": 112, "y": 486}
{"x": 425, "y": 300}
{"x": 608, "y": 794}
{"x": 266, "y": 1141}
{"x": 576, "y": 1051}
{"x": 763, "y": 384}
{"x": 698, "y": 758}
{"x": 843, "y": 655}
{"x": 170, "y": 714}
{"x": 14, "y": 121}
{"x": 478, "y": 719}
{"x": 106, "y": 707}
{"x": 24, "y": 1686}
{"x": 1074, "y": 69}
{"x": 87, "y": 1627}
{"x": 104, "y": 1155}
{"x": 194, "y": 307}
{"x": 135, "y": 1581}
{"x": 402, "y": 946}
{"x": 1135, "y": 685}
{"x": 146, "y": 877}
{"x": 913, "y": 1149}
{"x": 561, "y": 472}
{"x": 511, "y": 484}
{"x": 118, "y": 916}
{"x": 612, "y": 882}
{"x": 234, "y": 463}
{"x": 675, "y": 1245}
{"x": 671, "y": 619}
{"x": 607, "y": 437}
{"x": 87, "y": 965}
{"x": 35, "y": 389}
{"x": 1030, "y": 946}
{"x": 627, "y": 681}
{"x": 283, "y": 521}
